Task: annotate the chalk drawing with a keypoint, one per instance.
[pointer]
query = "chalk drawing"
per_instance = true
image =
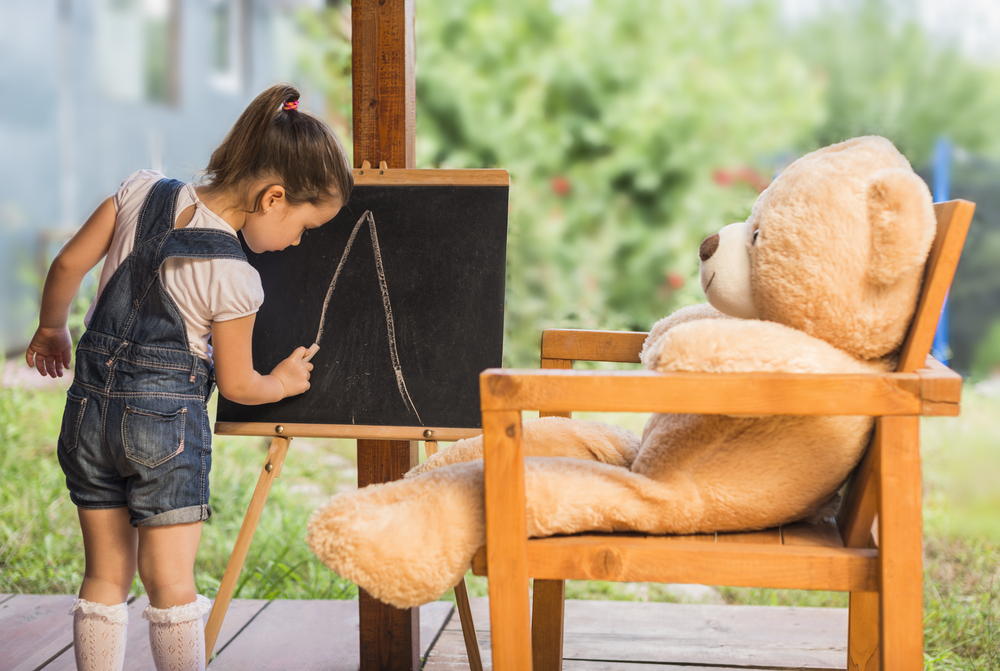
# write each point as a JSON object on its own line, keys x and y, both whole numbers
{"x": 393, "y": 355}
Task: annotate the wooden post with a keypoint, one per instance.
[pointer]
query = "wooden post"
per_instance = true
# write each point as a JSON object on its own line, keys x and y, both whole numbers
{"x": 384, "y": 94}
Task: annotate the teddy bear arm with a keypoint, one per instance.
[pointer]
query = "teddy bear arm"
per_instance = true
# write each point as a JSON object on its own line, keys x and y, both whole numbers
{"x": 684, "y": 315}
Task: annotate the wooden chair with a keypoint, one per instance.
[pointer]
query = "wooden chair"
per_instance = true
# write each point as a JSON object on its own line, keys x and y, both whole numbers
{"x": 881, "y": 569}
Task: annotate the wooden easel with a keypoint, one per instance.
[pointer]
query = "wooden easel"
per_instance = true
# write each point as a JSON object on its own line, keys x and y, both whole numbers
{"x": 272, "y": 470}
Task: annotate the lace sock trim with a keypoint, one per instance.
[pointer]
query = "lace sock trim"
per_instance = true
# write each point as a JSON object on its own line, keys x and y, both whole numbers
{"x": 117, "y": 614}
{"x": 175, "y": 614}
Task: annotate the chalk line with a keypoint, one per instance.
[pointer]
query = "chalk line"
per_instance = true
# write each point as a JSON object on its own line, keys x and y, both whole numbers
{"x": 393, "y": 355}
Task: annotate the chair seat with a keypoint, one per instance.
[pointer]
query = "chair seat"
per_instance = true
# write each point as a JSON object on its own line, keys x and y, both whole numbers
{"x": 795, "y": 556}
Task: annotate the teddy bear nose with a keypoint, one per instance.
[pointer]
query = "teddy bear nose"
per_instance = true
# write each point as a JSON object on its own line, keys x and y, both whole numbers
{"x": 708, "y": 247}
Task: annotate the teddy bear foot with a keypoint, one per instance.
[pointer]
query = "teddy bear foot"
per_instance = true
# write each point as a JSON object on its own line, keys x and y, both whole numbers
{"x": 404, "y": 542}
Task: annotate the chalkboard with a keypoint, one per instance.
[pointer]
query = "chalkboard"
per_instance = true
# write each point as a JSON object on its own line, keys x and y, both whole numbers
{"x": 405, "y": 288}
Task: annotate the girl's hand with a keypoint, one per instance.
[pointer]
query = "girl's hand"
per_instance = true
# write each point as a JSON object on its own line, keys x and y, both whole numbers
{"x": 293, "y": 372}
{"x": 50, "y": 350}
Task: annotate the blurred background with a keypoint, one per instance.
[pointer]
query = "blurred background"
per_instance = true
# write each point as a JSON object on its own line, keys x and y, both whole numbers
{"x": 631, "y": 128}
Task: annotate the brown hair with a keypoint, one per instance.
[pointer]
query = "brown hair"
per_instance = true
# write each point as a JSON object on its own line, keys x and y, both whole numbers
{"x": 274, "y": 140}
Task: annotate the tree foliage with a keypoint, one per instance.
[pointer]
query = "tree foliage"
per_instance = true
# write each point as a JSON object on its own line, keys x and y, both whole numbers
{"x": 633, "y": 128}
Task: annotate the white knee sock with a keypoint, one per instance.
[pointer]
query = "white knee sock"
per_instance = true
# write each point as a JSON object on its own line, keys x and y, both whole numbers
{"x": 177, "y": 635}
{"x": 99, "y": 635}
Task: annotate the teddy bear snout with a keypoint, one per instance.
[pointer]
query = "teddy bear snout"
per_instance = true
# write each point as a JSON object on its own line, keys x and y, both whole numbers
{"x": 708, "y": 247}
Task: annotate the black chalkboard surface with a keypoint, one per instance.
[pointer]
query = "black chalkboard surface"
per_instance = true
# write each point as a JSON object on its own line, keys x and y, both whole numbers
{"x": 405, "y": 289}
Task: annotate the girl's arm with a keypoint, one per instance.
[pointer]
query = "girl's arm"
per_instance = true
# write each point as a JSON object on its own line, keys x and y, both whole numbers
{"x": 51, "y": 347}
{"x": 234, "y": 371}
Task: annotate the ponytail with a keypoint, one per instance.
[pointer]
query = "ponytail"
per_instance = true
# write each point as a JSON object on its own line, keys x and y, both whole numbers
{"x": 273, "y": 140}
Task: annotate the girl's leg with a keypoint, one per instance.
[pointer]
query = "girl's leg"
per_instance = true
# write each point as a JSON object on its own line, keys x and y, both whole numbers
{"x": 166, "y": 566}
{"x": 100, "y": 615}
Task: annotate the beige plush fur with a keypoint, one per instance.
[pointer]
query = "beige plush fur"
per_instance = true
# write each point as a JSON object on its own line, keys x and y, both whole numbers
{"x": 830, "y": 263}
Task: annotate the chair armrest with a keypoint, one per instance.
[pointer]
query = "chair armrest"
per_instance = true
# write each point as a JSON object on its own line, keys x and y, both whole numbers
{"x": 940, "y": 389}
{"x": 556, "y": 390}
{"x": 582, "y": 345}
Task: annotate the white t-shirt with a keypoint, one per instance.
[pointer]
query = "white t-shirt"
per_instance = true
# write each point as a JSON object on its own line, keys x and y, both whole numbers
{"x": 205, "y": 290}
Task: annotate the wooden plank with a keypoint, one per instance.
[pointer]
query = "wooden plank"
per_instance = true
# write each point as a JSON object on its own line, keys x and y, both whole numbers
{"x": 762, "y": 537}
{"x": 547, "y": 615}
{"x": 654, "y": 559}
{"x": 615, "y": 635}
{"x": 384, "y": 100}
{"x": 953, "y": 219}
{"x": 822, "y": 535}
{"x": 900, "y": 543}
{"x": 857, "y": 512}
{"x": 390, "y": 637}
{"x": 310, "y": 634}
{"x": 560, "y": 364}
{"x": 731, "y": 393}
{"x": 863, "y": 632}
{"x": 34, "y": 629}
{"x": 432, "y": 177}
{"x": 938, "y": 383}
{"x": 506, "y": 539}
{"x": 137, "y": 654}
{"x": 342, "y": 431}
{"x": 583, "y": 345}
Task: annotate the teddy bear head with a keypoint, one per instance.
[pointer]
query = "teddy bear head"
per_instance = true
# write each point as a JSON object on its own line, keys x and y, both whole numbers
{"x": 835, "y": 247}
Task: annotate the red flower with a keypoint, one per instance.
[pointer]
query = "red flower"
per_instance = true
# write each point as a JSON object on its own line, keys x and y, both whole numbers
{"x": 561, "y": 185}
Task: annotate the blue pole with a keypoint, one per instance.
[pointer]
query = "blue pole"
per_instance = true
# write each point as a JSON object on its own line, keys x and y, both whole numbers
{"x": 942, "y": 183}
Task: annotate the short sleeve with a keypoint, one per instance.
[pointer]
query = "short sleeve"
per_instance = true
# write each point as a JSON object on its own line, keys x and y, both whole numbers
{"x": 139, "y": 182}
{"x": 235, "y": 291}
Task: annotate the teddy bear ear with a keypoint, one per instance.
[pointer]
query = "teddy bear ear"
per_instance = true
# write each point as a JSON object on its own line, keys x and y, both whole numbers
{"x": 901, "y": 215}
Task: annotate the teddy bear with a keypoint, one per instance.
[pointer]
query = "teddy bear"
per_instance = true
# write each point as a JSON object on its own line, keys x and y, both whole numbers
{"x": 823, "y": 277}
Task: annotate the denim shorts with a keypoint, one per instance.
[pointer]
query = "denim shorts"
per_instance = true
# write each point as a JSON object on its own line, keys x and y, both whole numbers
{"x": 149, "y": 452}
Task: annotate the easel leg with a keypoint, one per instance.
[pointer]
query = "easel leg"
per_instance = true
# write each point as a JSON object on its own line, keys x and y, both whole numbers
{"x": 462, "y": 600}
{"x": 272, "y": 468}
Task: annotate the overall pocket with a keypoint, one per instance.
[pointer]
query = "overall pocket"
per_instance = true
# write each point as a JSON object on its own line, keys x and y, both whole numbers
{"x": 69, "y": 433}
{"x": 152, "y": 438}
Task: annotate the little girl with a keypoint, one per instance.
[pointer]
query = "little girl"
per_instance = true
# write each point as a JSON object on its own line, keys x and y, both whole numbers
{"x": 135, "y": 443}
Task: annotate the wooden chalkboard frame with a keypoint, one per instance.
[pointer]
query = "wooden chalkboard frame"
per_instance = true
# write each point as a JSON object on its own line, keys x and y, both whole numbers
{"x": 381, "y": 176}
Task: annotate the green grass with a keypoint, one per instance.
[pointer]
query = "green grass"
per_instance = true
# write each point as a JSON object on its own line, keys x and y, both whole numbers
{"x": 41, "y": 552}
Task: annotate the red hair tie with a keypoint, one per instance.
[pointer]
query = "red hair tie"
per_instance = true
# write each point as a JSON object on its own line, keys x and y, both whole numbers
{"x": 293, "y": 105}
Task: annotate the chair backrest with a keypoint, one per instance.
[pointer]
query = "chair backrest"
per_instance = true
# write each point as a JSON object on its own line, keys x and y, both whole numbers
{"x": 953, "y": 218}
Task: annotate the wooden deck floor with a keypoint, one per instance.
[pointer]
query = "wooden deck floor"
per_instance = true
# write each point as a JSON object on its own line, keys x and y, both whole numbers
{"x": 36, "y": 633}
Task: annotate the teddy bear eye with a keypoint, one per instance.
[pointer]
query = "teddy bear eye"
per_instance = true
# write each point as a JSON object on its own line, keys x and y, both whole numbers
{"x": 755, "y": 234}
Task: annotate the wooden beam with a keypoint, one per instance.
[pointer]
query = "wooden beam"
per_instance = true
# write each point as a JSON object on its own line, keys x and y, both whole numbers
{"x": 382, "y": 65}
{"x": 582, "y": 345}
{"x": 730, "y": 393}
{"x": 674, "y": 559}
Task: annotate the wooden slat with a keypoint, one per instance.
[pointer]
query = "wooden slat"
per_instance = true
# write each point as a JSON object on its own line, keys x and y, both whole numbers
{"x": 560, "y": 364}
{"x": 583, "y": 345}
{"x": 430, "y": 177}
{"x": 938, "y": 383}
{"x": 632, "y": 636}
{"x": 342, "y": 431}
{"x": 655, "y": 559}
{"x": 815, "y": 535}
{"x": 34, "y": 629}
{"x": 900, "y": 542}
{"x": 762, "y": 537}
{"x": 953, "y": 218}
{"x": 857, "y": 512}
{"x": 733, "y": 393}
{"x": 547, "y": 613}
{"x": 506, "y": 539}
{"x": 863, "y": 632}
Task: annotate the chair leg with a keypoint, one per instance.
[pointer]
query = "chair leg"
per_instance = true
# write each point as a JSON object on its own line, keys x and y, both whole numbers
{"x": 863, "y": 632}
{"x": 900, "y": 545}
{"x": 468, "y": 627}
{"x": 547, "y": 610}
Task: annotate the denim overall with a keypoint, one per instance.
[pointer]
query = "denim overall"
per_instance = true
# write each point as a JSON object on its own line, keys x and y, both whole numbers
{"x": 135, "y": 431}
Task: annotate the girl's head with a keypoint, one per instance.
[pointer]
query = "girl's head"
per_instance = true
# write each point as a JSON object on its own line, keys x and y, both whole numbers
{"x": 285, "y": 166}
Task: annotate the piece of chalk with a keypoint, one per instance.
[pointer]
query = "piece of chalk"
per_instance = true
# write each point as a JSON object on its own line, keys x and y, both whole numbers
{"x": 311, "y": 352}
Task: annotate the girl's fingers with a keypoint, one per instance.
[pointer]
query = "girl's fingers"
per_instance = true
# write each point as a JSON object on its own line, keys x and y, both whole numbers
{"x": 50, "y": 366}
{"x": 40, "y": 364}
